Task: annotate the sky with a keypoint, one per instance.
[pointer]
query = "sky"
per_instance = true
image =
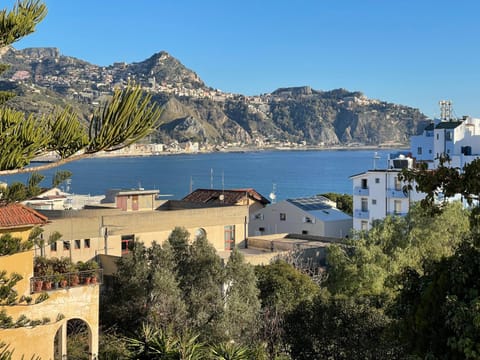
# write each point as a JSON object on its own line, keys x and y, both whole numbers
{"x": 409, "y": 52}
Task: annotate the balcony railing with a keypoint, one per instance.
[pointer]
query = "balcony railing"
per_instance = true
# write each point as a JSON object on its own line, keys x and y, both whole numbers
{"x": 396, "y": 213}
{"x": 65, "y": 280}
{"x": 394, "y": 193}
{"x": 362, "y": 191}
{"x": 361, "y": 214}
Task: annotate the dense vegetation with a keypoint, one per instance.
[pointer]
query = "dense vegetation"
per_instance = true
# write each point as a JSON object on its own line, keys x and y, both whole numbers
{"x": 406, "y": 289}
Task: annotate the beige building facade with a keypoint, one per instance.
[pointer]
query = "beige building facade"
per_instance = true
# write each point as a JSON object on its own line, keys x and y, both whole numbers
{"x": 91, "y": 232}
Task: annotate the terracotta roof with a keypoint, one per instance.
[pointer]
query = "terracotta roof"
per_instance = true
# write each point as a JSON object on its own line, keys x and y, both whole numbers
{"x": 231, "y": 197}
{"x": 18, "y": 215}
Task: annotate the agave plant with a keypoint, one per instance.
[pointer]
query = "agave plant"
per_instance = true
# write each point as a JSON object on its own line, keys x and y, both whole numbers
{"x": 153, "y": 343}
{"x": 230, "y": 351}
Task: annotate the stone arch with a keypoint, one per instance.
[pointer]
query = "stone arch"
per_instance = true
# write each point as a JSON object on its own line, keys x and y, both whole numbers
{"x": 200, "y": 232}
{"x": 73, "y": 340}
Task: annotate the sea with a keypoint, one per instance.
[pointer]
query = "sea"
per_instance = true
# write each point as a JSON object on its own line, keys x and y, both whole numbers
{"x": 285, "y": 173}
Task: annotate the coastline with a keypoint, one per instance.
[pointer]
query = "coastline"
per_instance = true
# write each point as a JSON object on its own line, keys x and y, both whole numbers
{"x": 233, "y": 149}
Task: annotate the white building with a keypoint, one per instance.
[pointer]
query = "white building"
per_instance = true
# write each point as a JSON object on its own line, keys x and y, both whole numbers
{"x": 308, "y": 216}
{"x": 457, "y": 139}
{"x": 378, "y": 193}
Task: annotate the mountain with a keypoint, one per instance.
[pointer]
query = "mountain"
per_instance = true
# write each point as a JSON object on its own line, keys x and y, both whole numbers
{"x": 195, "y": 112}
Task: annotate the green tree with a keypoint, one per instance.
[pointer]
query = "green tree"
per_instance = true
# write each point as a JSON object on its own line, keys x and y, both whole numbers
{"x": 339, "y": 328}
{"x": 144, "y": 290}
{"x": 201, "y": 279}
{"x": 439, "y": 310}
{"x": 344, "y": 201}
{"x": 242, "y": 303}
{"x": 369, "y": 263}
{"x": 282, "y": 288}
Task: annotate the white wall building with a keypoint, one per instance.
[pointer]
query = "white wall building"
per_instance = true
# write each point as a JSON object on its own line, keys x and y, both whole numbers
{"x": 308, "y": 216}
{"x": 457, "y": 139}
{"x": 378, "y": 193}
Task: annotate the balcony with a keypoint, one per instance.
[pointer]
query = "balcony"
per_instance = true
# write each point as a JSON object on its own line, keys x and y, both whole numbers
{"x": 361, "y": 191}
{"x": 397, "y": 194}
{"x": 65, "y": 280}
{"x": 361, "y": 214}
{"x": 396, "y": 213}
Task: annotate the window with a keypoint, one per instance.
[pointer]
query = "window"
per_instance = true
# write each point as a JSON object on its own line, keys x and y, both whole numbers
{"x": 229, "y": 237}
{"x": 419, "y": 150}
{"x": 53, "y": 246}
{"x": 364, "y": 204}
{"x": 397, "y": 207}
{"x": 306, "y": 219}
{"x": 364, "y": 225}
{"x": 374, "y": 201}
{"x": 377, "y": 180}
{"x": 127, "y": 243}
{"x": 76, "y": 244}
{"x": 283, "y": 216}
{"x": 259, "y": 216}
{"x": 398, "y": 184}
{"x": 437, "y": 136}
{"x": 449, "y": 136}
{"x": 364, "y": 183}
{"x": 304, "y": 232}
{"x": 66, "y": 245}
{"x": 86, "y": 243}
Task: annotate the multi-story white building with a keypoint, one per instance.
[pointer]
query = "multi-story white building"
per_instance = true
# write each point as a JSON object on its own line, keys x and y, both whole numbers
{"x": 378, "y": 193}
{"x": 458, "y": 139}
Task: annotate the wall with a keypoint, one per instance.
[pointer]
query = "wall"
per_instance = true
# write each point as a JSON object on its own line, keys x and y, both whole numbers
{"x": 147, "y": 226}
{"x": 77, "y": 302}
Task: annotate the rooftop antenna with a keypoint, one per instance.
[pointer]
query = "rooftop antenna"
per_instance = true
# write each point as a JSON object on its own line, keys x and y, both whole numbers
{"x": 445, "y": 110}
{"x": 375, "y": 158}
{"x": 273, "y": 195}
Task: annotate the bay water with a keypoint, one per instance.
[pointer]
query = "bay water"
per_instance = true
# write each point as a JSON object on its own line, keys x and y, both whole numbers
{"x": 290, "y": 174}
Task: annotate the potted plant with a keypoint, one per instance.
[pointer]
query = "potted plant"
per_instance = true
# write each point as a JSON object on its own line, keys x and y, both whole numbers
{"x": 38, "y": 285}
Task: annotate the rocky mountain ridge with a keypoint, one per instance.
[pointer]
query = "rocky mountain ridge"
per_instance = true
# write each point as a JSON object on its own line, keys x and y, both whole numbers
{"x": 197, "y": 113}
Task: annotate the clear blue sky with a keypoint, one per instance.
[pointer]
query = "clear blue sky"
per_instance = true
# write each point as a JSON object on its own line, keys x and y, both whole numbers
{"x": 411, "y": 52}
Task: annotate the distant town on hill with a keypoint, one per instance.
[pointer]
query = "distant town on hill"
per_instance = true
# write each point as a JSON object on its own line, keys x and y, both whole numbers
{"x": 196, "y": 113}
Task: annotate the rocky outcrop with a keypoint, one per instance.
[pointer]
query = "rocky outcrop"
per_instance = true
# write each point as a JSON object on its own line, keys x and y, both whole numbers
{"x": 194, "y": 112}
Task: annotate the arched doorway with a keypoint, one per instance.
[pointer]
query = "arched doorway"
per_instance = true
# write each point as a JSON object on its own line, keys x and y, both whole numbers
{"x": 73, "y": 341}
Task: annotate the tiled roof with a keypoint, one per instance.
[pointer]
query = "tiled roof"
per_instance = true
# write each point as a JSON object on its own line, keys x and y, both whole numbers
{"x": 18, "y": 215}
{"x": 231, "y": 197}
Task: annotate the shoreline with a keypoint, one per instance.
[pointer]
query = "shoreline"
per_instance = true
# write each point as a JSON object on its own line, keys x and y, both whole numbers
{"x": 131, "y": 154}
{"x": 249, "y": 149}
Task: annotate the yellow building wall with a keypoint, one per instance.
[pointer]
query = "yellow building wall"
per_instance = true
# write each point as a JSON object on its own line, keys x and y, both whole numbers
{"x": 21, "y": 263}
{"x": 80, "y": 302}
{"x": 146, "y": 226}
{"x": 21, "y": 233}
